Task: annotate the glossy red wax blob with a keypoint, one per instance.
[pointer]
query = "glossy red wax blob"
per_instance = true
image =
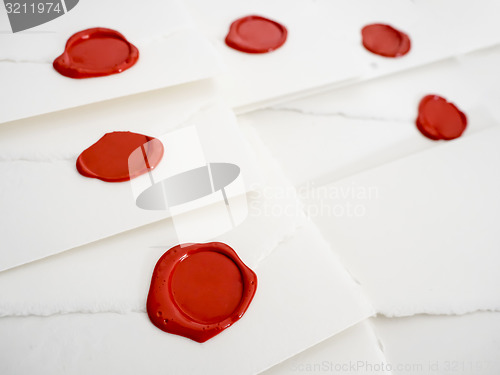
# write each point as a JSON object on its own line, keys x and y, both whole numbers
{"x": 109, "y": 158}
{"x": 439, "y": 119}
{"x": 384, "y": 40}
{"x": 255, "y": 34}
{"x": 96, "y": 52}
{"x": 198, "y": 290}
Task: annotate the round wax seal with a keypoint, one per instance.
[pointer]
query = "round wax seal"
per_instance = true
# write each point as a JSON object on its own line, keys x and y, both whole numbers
{"x": 438, "y": 119}
{"x": 96, "y": 52}
{"x": 198, "y": 290}
{"x": 109, "y": 159}
{"x": 256, "y": 34}
{"x": 385, "y": 40}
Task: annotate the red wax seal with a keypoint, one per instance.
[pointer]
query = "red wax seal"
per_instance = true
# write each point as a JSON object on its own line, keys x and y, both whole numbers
{"x": 109, "y": 158}
{"x": 255, "y": 34}
{"x": 384, "y": 40}
{"x": 198, "y": 290}
{"x": 438, "y": 119}
{"x": 96, "y": 52}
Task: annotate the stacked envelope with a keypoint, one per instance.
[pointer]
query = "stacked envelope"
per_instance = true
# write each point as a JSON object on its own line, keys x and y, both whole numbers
{"x": 376, "y": 249}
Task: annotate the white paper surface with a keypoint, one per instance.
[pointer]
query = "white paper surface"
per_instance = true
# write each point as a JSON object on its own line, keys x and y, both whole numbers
{"x": 438, "y": 29}
{"x": 467, "y": 344}
{"x": 324, "y": 42}
{"x": 84, "y": 342}
{"x": 326, "y": 137}
{"x": 315, "y": 54}
{"x": 428, "y": 221}
{"x": 113, "y": 275}
{"x": 79, "y": 280}
{"x": 43, "y": 194}
{"x": 353, "y": 351}
{"x": 170, "y": 51}
{"x": 288, "y": 313}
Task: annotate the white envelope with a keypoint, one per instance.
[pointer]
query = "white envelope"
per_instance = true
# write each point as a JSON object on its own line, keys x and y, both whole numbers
{"x": 326, "y": 137}
{"x": 428, "y": 221}
{"x": 324, "y": 49}
{"x": 353, "y": 351}
{"x": 43, "y": 194}
{"x": 466, "y": 344}
{"x": 317, "y": 51}
{"x": 304, "y": 296}
{"x": 170, "y": 50}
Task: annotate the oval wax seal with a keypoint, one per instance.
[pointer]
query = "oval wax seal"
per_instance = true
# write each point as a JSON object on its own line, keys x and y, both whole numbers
{"x": 256, "y": 34}
{"x": 198, "y": 290}
{"x": 109, "y": 158}
{"x": 96, "y": 52}
{"x": 385, "y": 40}
{"x": 438, "y": 119}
